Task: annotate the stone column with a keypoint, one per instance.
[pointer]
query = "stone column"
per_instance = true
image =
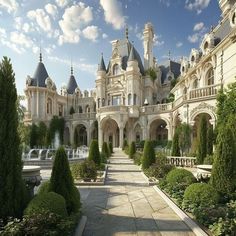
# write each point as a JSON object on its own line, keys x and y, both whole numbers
{"x": 100, "y": 136}
{"x": 71, "y": 135}
{"x": 121, "y": 136}
{"x": 88, "y": 136}
{"x": 169, "y": 132}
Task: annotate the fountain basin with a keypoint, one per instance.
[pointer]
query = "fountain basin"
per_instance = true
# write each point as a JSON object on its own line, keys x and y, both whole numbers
{"x": 204, "y": 171}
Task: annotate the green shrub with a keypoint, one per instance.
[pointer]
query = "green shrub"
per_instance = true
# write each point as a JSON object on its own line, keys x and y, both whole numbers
{"x": 94, "y": 154}
{"x": 126, "y": 151}
{"x": 110, "y": 148}
{"x": 44, "y": 187}
{"x": 88, "y": 170}
{"x": 75, "y": 168}
{"x": 199, "y": 195}
{"x": 61, "y": 181}
{"x": 103, "y": 158}
{"x": 125, "y": 144}
{"x": 51, "y": 201}
{"x": 208, "y": 160}
{"x": 148, "y": 155}
{"x": 138, "y": 158}
{"x": 132, "y": 150}
{"x": 159, "y": 171}
{"x": 42, "y": 223}
{"x": 105, "y": 150}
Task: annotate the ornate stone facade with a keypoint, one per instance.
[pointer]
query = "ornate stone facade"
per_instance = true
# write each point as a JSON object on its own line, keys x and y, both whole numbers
{"x": 132, "y": 99}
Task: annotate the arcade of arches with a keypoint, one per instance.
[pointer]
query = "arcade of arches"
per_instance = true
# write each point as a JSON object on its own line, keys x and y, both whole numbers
{"x": 159, "y": 131}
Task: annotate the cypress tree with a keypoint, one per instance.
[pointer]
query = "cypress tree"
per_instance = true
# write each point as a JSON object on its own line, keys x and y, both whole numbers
{"x": 61, "y": 181}
{"x": 210, "y": 139}
{"x": 175, "y": 151}
{"x": 42, "y": 134}
{"x": 149, "y": 156}
{"x": 202, "y": 140}
{"x": 125, "y": 144}
{"x": 105, "y": 150}
{"x": 110, "y": 148}
{"x": 12, "y": 188}
{"x": 33, "y": 135}
{"x": 223, "y": 176}
{"x": 94, "y": 154}
{"x": 132, "y": 150}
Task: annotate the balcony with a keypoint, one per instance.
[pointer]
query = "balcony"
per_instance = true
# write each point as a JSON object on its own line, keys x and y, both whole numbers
{"x": 207, "y": 91}
{"x": 153, "y": 109}
{"x": 112, "y": 109}
{"x": 89, "y": 115}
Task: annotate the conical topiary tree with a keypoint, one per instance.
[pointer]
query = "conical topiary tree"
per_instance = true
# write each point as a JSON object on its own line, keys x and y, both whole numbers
{"x": 105, "y": 150}
{"x": 12, "y": 189}
{"x": 202, "y": 140}
{"x": 94, "y": 154}
{"x": 110, "y": 148}
{"x": 223, "y": 177}
{"x": 125, "y": 144}
{"x": 210, "y": 139}
{"x": 132, "y": 150}
{"x": 149, "y": 156}
{"x": 61, "y": 181}
{"x": 33, "y": 135}
{"x": 175, "y": 150}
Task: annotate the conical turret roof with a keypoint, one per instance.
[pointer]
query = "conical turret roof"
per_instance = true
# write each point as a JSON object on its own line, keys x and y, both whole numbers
{"x": 102, "y": 66}
{"x": 72, "y": 84}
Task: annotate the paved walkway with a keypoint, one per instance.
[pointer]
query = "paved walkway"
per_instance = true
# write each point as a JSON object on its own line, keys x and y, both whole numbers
{"x": 127, "y": 206}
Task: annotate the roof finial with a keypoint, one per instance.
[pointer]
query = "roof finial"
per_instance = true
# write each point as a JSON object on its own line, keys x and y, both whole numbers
{"x": 40, "y": 54}
{"x": 71, "y": 68}
{"x": 126, "y": 32}
{"x": 169, "y": 55}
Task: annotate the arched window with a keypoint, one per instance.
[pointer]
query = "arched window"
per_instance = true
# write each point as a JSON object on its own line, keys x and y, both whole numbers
{"x": 135, "y": 99}
{"x": 116, "y": 69}
{"x": 80, "y": 109}
{"x": 210, "y": 77}
{"x": 103, "y": 102}
{"x": 129, "y": 99}
{"x": 195, "y": 83}
{"x": 49, "y": 106}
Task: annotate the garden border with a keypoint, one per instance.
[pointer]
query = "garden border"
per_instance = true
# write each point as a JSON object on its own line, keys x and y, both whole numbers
{"x": 80, "y": 227}
{"x": 188, "y": 221}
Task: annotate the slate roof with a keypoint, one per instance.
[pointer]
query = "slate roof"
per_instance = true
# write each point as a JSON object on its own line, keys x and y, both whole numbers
{"x": 102, "y": 66}
{"x": 40, "y": 76}
{"x": 170, "y": 66}
{"x": 72, "y": 85}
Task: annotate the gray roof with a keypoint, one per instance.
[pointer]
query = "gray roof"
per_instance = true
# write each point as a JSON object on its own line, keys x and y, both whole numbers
{"x": 131, "y": 54}
{"x": 124, "y": 48}
{"x": 102, "y": 66}
{"x": 170, "y": 66}
{"x": 222, "y": 31}
{"x": 40, "y": 76}
{"x": 72, "y": 85}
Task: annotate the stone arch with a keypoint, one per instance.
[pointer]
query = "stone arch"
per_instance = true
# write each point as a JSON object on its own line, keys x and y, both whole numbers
{"x": 80, "y": 135}
{"x": 87, "y": 109}
{"x": 138, "y": 134}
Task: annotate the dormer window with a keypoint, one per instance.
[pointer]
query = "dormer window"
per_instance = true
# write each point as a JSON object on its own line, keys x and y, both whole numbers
{"x": 183, "y": 69}
{"x": 116, "y": 69}
{"x": 233, "y": 19}
{"x": 206, "y": 45}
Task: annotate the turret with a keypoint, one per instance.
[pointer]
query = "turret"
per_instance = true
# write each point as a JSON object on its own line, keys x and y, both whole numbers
{"x": 225, "y": 6}
{"x": 148, "y": 36}
{"x": 72, "y": 84}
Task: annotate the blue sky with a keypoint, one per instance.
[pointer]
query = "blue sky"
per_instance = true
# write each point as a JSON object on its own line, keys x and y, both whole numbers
{"x": 81, "y": 30}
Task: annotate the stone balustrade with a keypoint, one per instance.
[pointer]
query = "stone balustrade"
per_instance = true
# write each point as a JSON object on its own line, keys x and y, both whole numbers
{"x": 204, "y": 92}
{"x": 88, "y": 115}
{"x": 181, "y": 161}
{"x": 120, "y": 108}
{"x": 156, "y": 108}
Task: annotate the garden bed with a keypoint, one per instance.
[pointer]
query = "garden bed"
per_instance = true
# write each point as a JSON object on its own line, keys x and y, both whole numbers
{"x": 100, "y": 180}
{"x": 151, "y": 180}
{"x": 80, "y": 227}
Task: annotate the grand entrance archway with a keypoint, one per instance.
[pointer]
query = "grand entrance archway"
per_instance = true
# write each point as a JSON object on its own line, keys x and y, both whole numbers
{"x": 80, "y": 135}
{"x": 111, "y": 132}
{"x": 159, "y": 131}
{"x": 197, "y": 123}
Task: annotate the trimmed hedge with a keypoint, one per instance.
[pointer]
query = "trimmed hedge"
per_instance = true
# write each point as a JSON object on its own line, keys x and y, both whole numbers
{"x": 132, "y": 150}
{"x": 199, "y": 195}
{"x": 149, "y": 155}
{"x": 110, "y": 148}
{"x": 94, "y": 154}
{"x": 51, "y": 201}
{"x": 125, "y": 144}
{"x": 105, "y": 150}
{"x": 44, "y": 187}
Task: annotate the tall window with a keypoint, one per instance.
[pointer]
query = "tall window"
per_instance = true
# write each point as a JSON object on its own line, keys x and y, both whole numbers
{"x": 116, "y": 69}
{"x": 49, "y": 106}
{"x": 60, "y": 109}
{"x": 116, "y": 100}
{"x": 210, "y": 77}
{"x": 129, "y": 99}
{"x": 135, "y": 99}
{"x": 99, "y": 100}
{"x": 195, "y": 83}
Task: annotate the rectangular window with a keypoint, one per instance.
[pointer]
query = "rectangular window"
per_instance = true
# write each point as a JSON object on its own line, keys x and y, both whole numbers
{"x": 116, "y": 100}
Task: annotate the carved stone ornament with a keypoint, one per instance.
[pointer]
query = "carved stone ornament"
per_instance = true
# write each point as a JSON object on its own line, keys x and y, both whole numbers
{"x": 203, "y": 106}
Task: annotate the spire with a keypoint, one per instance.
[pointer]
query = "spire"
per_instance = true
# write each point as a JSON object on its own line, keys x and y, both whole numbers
{"x": 71, "y": 68}
{"x": 126, "y": 32}
{"x": 131, "y": 54}
{"x": 40, "y": 54}
{"x": 102, "y": 66}
{"x": 169, "y": 55}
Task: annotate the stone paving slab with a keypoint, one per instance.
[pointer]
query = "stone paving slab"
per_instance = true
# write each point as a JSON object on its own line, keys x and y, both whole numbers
{"x": 126, "y": 205}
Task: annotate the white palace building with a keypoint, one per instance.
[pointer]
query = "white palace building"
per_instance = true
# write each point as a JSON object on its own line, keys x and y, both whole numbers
{"x": 132, "y": 95}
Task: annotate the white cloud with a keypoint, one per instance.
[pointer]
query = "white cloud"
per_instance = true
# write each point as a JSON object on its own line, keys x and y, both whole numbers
{"x": 26, "y": 27}
{"x": 193, "y": 38}
{"x": 90, "y": 68}
{"x": 113, "y": 13}
{"x": 157, "y": 40}
{"x": 73, "y": 18}
{"x": 198, "y": 26}
{"x": 21, "y": 39}
{"x": 10, "y": 5}
{"x": 166, "y": 2}
{"x": 91, "y": 32}
{"x": 104, "y": 36}
{"x": 179, "y": 44}
{"x": 2, "y": 32}
{"x": 62, "y": 3}
{"x": 42, "y": 19}
{"x": 51, "y": 9}
{"x": 196, "y": 5}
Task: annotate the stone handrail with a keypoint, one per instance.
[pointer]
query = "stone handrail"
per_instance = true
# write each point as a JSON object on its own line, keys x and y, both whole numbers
{"x": 204, "y": 92}
{"x": 156, "y": 108}
{"x": 181, "y": 161}
{"x": 120, "y": 108}
{"x": 88, "y": 115}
